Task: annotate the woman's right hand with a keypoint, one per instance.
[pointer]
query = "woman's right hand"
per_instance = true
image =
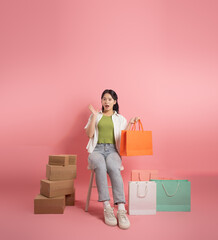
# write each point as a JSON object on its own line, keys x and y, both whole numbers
{"x": 90, "y": 130}
{"x": 91, "y": 108}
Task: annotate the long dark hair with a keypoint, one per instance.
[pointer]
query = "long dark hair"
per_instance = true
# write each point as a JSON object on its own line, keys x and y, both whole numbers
{"x": 114, "y": 96}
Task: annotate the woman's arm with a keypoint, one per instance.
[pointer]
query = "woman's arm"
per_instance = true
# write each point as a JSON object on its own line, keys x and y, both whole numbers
{"x": 90, "y": 130}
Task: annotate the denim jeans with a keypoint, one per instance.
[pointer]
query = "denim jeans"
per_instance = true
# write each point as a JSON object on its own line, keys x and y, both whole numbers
{"x": 105, "y": 159}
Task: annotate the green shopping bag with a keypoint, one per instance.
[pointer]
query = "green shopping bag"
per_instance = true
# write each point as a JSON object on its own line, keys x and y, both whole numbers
{"x": 173, "y": 195}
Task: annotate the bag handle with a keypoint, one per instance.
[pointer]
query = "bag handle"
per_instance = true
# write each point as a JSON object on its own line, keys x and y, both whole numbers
{"x": 171, "y": 195}
{"x": 138, "y": 190}
{"x": 139, "y": 176}
{"x": 133, "y": 127}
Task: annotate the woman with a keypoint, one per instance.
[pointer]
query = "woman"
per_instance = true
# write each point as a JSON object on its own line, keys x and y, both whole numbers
{"x": 104, "y": 130}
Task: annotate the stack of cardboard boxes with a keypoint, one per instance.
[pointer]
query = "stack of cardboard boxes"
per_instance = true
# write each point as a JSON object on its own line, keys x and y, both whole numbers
{"x": 57, "y": 191}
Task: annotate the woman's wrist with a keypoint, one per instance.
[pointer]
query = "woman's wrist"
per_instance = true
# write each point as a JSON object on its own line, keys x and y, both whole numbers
{"x": 94, "y": 116}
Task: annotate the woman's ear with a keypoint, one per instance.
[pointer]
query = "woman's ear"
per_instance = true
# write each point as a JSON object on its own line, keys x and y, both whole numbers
{"x": 115, "y": 101}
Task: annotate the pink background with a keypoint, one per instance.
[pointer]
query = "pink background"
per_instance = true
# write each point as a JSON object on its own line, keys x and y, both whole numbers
{"x": 56, "y": 57}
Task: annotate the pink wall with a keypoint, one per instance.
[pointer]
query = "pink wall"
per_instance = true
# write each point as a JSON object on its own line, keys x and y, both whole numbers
{"x": 56, "y": 57}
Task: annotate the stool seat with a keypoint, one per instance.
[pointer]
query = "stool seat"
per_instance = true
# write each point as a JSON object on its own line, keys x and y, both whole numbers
{"x": 121, "y": 168}
{"x": 91, "y": 186}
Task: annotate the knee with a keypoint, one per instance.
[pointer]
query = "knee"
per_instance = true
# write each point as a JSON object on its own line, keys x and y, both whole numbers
{"x": 112, "y": 169}
{"x": 96, "y": 161}
{"x": 113, "y": 162}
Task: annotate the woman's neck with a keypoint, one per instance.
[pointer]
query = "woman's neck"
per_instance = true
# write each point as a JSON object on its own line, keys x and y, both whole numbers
{"x": 108, "y": 113}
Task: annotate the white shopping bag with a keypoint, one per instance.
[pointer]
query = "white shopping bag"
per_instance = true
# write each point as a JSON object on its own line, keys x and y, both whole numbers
{"x": 142, "y": 198}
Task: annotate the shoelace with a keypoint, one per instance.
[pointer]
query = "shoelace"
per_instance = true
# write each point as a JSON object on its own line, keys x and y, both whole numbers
{"x": 122, "y": 215}
{"x": 109, "y": 212}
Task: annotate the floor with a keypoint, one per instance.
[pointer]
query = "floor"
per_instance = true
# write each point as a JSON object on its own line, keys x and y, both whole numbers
{"x": 18, "y": 220}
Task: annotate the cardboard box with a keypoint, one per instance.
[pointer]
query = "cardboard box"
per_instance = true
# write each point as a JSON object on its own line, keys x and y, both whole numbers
{"x": 70, "y": 199}
{"x": 62, "y": 160}
{"x": 44, "y": 205}
{"x": 60, "y": 172}
{"x": 56, "y": 188}
{"x": 72, "y": 159}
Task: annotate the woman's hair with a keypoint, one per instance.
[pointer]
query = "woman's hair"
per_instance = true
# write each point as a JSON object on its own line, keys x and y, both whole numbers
{"x": 114, "y": 96}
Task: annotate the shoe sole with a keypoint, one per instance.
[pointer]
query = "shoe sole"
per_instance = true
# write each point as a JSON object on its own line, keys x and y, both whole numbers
{"x": 124, "y": 228}
{"x": 112, "y": 225}
{"x": 121, "y": 227}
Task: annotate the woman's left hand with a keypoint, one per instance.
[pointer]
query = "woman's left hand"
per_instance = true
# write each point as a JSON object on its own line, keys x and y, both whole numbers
{"x": 133, "y": 120}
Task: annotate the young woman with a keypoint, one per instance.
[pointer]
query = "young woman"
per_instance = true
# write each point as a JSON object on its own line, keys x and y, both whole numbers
{"x": 104, "y": 130}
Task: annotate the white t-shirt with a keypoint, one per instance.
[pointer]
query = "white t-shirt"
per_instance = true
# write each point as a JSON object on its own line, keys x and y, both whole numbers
{"x": 120, "y": 123}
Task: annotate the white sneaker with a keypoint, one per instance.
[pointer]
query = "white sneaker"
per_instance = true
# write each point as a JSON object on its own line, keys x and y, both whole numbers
{"x": 109, "y": 216}
{"x": 123, "y": 220}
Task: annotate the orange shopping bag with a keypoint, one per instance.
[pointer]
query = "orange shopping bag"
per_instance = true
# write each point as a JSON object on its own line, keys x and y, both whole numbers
{"x": 136, "y": 142}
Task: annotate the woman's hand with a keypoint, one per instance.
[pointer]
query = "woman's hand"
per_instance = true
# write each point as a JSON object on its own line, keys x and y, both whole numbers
{"x": 91, "y": 108}
{"x": 133, "y": 120}
{"x": 90, "y": 130}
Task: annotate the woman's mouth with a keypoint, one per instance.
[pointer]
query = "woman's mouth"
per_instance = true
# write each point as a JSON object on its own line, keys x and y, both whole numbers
{"x": 107, "y": 106}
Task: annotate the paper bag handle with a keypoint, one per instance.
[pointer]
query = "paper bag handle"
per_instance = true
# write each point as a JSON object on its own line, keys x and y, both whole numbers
{"x": 171, "y": 195}
{"x": 139, "y": 176}
{"x": 133, "y": 127}
{"x": 138, "y": 191}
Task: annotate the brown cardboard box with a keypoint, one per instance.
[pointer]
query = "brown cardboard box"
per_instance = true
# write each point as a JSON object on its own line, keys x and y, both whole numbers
{"x": 72, "y": 159}
{"x": 44, "y": 205}
{"x": 56, "y": 188}
{"x": 60, "y": 172}
{"x": 70, "y": 199}
{"x": 62, "y": 160}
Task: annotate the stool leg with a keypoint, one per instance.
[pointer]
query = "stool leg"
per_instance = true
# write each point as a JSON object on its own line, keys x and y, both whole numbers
{"x": 89, "y": 191}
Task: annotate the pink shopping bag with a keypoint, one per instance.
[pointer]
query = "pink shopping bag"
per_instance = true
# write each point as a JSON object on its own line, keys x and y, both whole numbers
{"x": 143, "y": 175}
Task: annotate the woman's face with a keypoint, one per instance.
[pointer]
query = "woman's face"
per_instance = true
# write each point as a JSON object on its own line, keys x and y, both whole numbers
{"x": 108, "y": 102}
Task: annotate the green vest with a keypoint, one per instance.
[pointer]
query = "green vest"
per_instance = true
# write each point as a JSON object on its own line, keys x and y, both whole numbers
{"x": 106, "y": 130}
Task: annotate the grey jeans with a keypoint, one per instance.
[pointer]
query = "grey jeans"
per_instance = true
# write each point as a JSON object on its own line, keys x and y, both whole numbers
{"x": 105, "y": 159}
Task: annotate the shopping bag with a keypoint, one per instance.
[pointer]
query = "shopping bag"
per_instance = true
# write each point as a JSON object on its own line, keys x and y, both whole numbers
{"x": 136, "y": 142}
{"x": 163, "y": 178}
{"x": 173, "y": 195}
{"x": 143, "y": 175}
{"x": 142, "y": 198}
